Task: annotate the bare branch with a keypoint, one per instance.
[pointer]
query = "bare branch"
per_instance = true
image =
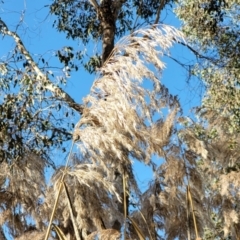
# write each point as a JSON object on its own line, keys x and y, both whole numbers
{"x": 198, "y": 54}
{"x": 46, "y": 82}
{"x": 160, "y": 8}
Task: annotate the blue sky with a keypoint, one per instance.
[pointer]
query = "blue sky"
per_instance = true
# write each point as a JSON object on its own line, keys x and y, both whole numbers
{"x": 40, "y": 38}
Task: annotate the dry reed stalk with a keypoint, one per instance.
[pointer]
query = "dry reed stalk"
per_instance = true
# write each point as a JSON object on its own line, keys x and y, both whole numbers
{"x": 59, "y": 232}
{"x": 193, "y": 214}
{"x": 137, "y": 229}
{"x": 70, "y": 207}
{"x": 58, "y": 194}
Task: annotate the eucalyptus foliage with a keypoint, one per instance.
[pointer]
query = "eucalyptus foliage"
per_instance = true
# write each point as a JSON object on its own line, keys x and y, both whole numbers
{"x": 212, "y": 28}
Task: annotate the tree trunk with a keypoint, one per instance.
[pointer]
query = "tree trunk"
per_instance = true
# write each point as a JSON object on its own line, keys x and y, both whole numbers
{"x": 107, "y": 19}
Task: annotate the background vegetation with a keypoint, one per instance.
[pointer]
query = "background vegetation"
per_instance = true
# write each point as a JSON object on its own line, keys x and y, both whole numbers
{"x": 128, "y": 115}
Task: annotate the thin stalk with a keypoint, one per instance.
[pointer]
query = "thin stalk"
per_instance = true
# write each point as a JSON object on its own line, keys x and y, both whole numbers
{"x": 189, "y": 199}
{"x": 188, "y": 218}
{"x": 53, "y": 211}
{"x": 124, "y": 205}
{"x": 58, "y": 195}
{"x": 59, "y": 232}
{"x": 193, "y": 214}
{"x": 71, "y": 212}
{"x": 146, "y": 225}
{"x": 137, "y": 229}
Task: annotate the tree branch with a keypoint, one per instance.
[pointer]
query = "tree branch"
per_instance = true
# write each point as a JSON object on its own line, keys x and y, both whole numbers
{"x": 160, "y": 8}
{"x": 57, "y": 91}
{"x": 199, "y": 55}
{"x": 107, "y": 20}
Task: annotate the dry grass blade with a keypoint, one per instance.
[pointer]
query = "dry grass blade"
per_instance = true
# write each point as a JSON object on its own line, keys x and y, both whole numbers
{"x": 144, "y": 219}
{"x": 124, "y": 203}
{"x": 70, "y": 206}
{"x": 193, "y": 214}
{"x": 53, "y": 211}
{"x": 59, "y": 232}
{"x": 58, "y": 194}
{"x": 137, "y": 229}
{"x": 188, "y": 217}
